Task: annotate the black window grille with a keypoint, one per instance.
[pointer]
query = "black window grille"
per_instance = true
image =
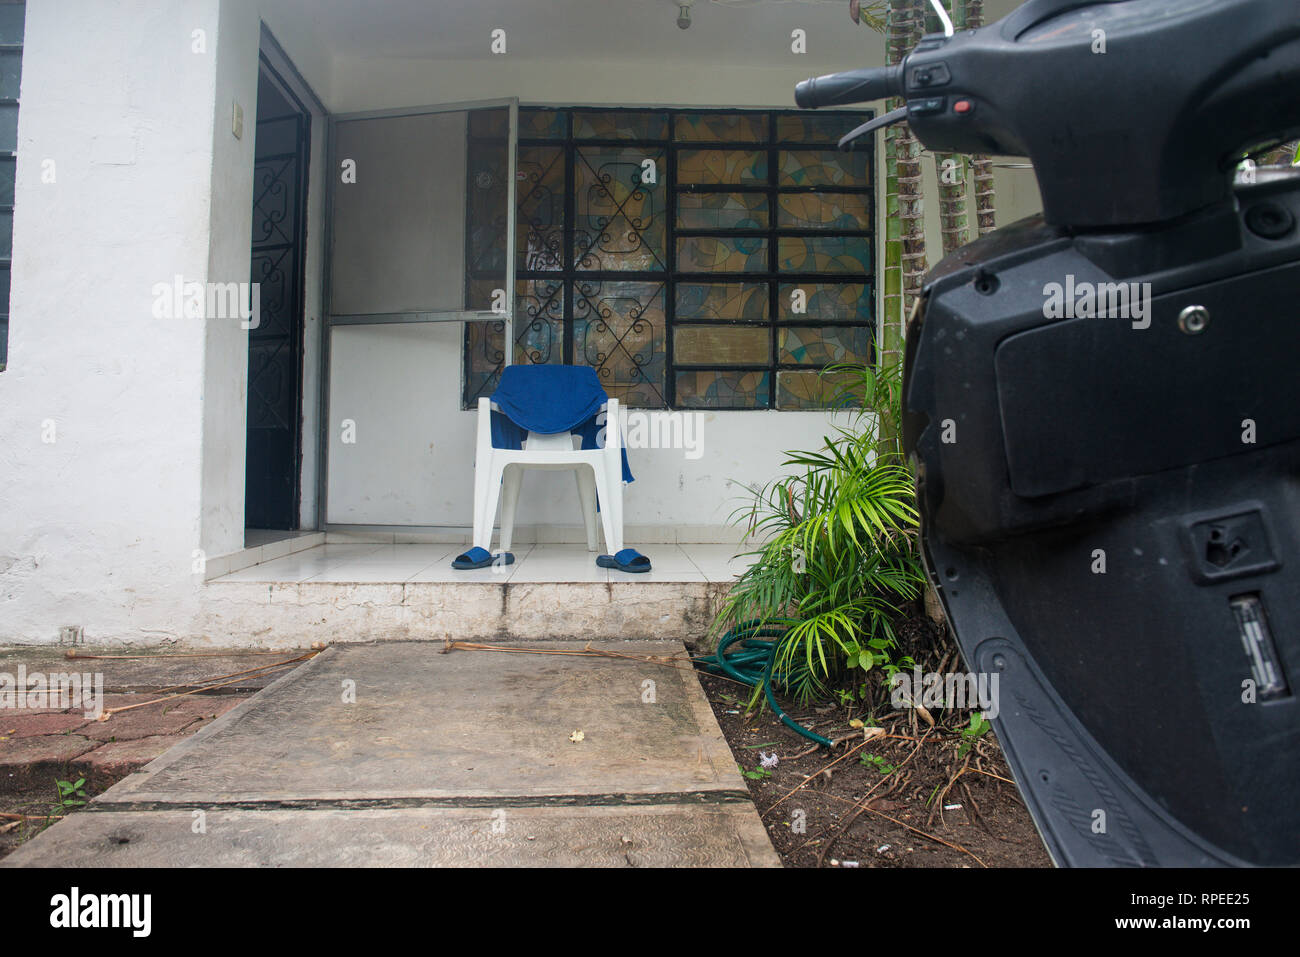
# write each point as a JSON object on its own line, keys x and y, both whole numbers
{"x": 697, "y": 259}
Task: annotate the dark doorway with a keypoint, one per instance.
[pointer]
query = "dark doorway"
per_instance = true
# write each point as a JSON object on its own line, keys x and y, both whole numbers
{"x": 275, "y": 347}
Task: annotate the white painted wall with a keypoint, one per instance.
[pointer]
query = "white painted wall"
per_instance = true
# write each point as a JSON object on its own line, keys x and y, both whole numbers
{"x": 101, "y": 523}
{"x": 146, "y": 415}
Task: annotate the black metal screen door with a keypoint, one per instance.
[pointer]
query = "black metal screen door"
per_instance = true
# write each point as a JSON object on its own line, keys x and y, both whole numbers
{"x": 275, "y": 345}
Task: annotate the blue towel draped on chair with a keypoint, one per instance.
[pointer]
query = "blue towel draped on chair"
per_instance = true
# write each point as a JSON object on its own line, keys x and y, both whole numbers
{"x": 548, "y": 399}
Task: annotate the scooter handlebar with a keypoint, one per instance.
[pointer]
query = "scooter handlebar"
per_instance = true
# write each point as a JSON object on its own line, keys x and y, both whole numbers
{"x": 851, "y": 86}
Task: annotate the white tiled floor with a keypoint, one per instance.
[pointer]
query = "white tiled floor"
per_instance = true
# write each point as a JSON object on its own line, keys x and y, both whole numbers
{"x": 533, "y": 563}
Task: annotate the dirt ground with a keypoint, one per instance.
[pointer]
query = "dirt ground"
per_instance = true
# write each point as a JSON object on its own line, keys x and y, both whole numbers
{"x": 936, "y": 798}
{"x": 35, "y": 805}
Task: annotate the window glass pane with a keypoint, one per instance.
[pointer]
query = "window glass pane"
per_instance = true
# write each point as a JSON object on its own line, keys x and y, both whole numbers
{"x": 277, "y": 137}
{"x": 722, "y": 254}
{"x": 722, "y": 345}
{"x": 801, "y": 345}
{"x": 619, "y": 330}
{"x": 721, "y": 301}
{"x": 813, "y": 390}
{"x": 722, "y": 211}
{"x": 711, "y": 167}
{"x": 540, "y": 221}
{"x": 723, "y": 390}
{"x": 620, "y": 125}
{"x": 9, "y": 128}
{"x": 11, "y": 71}
{"x": 619, "y": 222}
{"x": 825, "y": 254}
{"x": 840, "y": 302}
{"x": 7, "y": 173}
{"x": 489, "y": 123}
{"x": 4, "y": 288}
{"x": 816, "y": 127}
{"x": 484, "y": 357}
{"x": 539, "y": 322}
{"x": 541, "y": 124}
{"x": 720, "y": 127}
{"x": 841, "y": 211}
{"x": 823, "y": 168}
{"x": 539, "y": 337}
{"x": 485, "y": 216}
{"x": 11, "y": 22}
{"x": 6, "y": 234}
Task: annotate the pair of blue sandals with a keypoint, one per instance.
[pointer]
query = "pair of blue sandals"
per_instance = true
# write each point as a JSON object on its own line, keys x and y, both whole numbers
{"x": 628, "y": 560}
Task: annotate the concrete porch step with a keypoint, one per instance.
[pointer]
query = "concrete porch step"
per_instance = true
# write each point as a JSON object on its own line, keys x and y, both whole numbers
{"x": 374, "y": 592}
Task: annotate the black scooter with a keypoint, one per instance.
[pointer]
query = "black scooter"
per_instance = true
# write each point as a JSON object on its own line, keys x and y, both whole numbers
{"x": 1102, "y": 406}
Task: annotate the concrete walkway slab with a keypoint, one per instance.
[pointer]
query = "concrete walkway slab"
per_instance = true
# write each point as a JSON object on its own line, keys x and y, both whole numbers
{"x": 654, "y": 836}
{"x": 398, "y": 754}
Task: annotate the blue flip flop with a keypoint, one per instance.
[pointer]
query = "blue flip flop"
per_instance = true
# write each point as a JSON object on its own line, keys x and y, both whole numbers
{"x": 481, "y": 558}
{"x": 628, "y": 560}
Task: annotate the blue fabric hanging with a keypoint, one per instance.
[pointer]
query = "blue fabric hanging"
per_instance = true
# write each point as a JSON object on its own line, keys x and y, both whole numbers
{"x": 549, "y": 399}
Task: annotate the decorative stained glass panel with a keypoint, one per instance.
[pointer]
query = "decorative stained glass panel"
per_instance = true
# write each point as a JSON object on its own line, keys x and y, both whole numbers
{"x": 823, "y": 168}
{"x": 839, "y": 211}
{"x": 486, "y": 215}
{"x": 837, "y": 302}
{"x": 722, "y": 211}
{"x": 539, "y": 322}
{"x": 713, "y": 167}
{"x": 541, "y": 124}
{"x": 800, "y": 345}
{"x": 620, "y": 125}
{"x": 722, "y": 345}
{"x": 833, "y": 255}
{"x": 723, "y": 390}
{"x": 484, "y": 358}
{"x": 619, "y": 221}
{"x": 721, "y": 301}
{"x": 539, "y": 336}
{"x": 619, "y": 329}
{"x": 540, "y": 220}
{"x": 722, "y": 254}
{"x": 720, "y": 127}
{"x": 813, "y": 390}
{"x": 816, "y": 127}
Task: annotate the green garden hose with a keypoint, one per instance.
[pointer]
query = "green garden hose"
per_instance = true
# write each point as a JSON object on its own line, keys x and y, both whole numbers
{"x": 751, "y": 664}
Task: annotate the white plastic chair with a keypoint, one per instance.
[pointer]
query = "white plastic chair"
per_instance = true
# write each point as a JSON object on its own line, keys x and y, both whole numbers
{"x": 498, "y": 474}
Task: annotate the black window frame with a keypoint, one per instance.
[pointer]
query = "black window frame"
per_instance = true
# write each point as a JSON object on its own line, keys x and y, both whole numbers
{"x": 10, "y": 158}
{"x": 569, "y": 275}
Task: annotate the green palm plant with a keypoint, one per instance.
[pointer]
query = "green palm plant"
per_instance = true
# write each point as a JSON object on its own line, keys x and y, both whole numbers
{"x": 838, "y": 554}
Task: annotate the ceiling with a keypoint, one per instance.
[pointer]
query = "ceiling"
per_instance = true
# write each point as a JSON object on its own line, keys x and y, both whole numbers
{"x": 751, "y": 33}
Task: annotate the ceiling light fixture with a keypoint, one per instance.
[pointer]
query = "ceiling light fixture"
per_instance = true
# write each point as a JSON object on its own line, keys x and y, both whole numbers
{"x": 684, "y": 15}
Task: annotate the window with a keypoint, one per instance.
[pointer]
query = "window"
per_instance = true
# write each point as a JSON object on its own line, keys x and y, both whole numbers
{"x": 12, "y": 17}
{"x": 696, "y": 259}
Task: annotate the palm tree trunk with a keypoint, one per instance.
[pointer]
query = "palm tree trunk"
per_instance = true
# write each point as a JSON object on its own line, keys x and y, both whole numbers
{"x": 905, "y": 28}
{"x": 904, "y": 228}
{"x": 982, "y": 166}
{"x": 950, "y": 169}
